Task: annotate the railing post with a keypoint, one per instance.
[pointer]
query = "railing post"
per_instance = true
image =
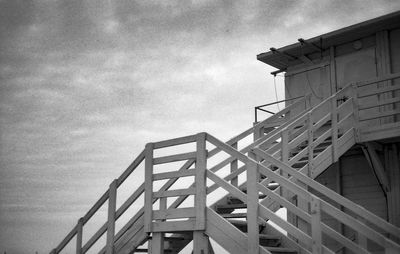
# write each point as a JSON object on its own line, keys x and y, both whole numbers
{"x": 284, "y": 155}
{"x": 148, "y": 189}
{"x": 316, "y": 233}
{"x": 334, "y": 128}
{"x": 112, "y": 202}
{"x": 252, "y": 206}
{"x": 310, "y": 147}
{"x": 200, "y": 179}
{"x": 79, "y": 234}
{"x": 234, "y": 167}
{"x": 356, "y": 111}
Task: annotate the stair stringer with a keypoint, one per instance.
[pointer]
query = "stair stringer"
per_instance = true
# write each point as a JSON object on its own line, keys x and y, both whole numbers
{"x": 325, "y": 160}
{"x": 227, "y": 235}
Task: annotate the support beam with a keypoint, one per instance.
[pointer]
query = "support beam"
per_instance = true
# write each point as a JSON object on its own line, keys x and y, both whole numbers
{"x": 376, "y": 165}
{"x": 304, "y": 42}
{"x": 289, "y": 56}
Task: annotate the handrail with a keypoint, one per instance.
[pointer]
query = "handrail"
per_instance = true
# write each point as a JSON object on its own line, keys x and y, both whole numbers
{"x": 259, "y": 107}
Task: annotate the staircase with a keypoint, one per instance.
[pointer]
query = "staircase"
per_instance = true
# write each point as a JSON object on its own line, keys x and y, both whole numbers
{"x": 230, "y": 191}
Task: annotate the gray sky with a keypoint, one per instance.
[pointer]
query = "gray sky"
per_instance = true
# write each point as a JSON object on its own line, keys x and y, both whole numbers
{"x": 84, "y": 85}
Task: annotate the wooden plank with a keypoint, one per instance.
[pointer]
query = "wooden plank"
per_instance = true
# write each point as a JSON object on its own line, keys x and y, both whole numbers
{"x": 252, "y": 208}
{"x": 200, "y": 180}
{"x": 377, "y": 166}
{"x": 316, "y": 225}
{"x": 157, "y": 243}
{"x": 225, "y": 234}
{"x": 174, "y": 158}
{"x": 343, "y": 240}
{"x": 234, "y": 167}
{"x": 284, "y": 203}
{"x": 375, "y": 115}
{"x": 227, "y": 186}
{"x": 360, "y": 227}
{"x": 96, "y": 207}
{"x": 148, "y": 187}
{"x": 174, "y": 213}
{"x": 375, "y": 104}
{"x": 226, "y": 148}
{"x": 378, "y": 79}
{"x": 267, "y": 214}
{"x": 310, "y": 146}
{"x": 112, "y": 203}
{"x": 174, "y": 193}
{"x": 174, "y": 174}
{"x": 67, "y": 239}
{"x": 173, "y": 226}
{"x": 334, "y": 129}
{"x": 378, "y": 128}
{"x": 376, "y": 91}
{"x": 135, "y": 195}
{"x": 174, "y": 141}
{"x": 200, "y": 242}
{"x": 94, "y": 238}
{"x": 131, "y": 168}
{"x": 79, "y": 235}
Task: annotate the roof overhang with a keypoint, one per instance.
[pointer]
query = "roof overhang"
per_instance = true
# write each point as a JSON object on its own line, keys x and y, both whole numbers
{"x": 296, "y": 53}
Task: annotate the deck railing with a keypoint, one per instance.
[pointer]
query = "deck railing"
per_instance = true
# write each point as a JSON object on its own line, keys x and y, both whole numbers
{"x": 279, "y": 142}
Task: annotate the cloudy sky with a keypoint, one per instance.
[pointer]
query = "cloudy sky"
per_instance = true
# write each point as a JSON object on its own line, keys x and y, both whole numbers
{"x": 84, "y": 85}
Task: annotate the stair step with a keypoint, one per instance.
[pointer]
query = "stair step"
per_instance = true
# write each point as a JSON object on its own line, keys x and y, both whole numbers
{"x": 281, "y": 250}
{"x": 234, "y": 215}
{"x": 270, "y": 240}
{"x": 242, "y": 225}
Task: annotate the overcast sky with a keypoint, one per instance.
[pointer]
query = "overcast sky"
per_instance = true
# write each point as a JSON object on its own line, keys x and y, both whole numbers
{"x": 84, "y": 85}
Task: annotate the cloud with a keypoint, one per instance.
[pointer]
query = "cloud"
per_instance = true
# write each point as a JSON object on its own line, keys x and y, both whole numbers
{"x": 85, "y": 85}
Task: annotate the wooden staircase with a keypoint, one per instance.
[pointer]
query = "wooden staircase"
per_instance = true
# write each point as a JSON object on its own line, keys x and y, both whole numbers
{"x": 275, "y": 169}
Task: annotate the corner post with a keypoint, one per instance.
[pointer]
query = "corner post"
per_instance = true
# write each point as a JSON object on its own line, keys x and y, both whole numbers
{"x": 252, "y": 205}
{"x": 200, "y": 240}
{"x": 200, "y": 179}
{"x": 148, "y": 188}
{"x": 112, "y": 202}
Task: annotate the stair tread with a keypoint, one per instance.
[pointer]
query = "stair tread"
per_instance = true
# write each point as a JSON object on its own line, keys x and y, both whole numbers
{"x": 232, "y": 206}
{"x": 234, "y": 215}
{"x": 280, "y": 249}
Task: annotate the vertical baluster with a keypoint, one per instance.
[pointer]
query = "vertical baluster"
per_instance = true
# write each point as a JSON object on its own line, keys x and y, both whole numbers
{"x": 310, "y": 147}
{"x": 234, "y": 167}
{"x": 200, "y": 179}
{"x": 284, "y": 155}
{"x": 148, "y": 187}
{"x": 112, "y": 203}
{"x": 334, "y": 129}
{"x": 252, "y": 206}
{"x": 355, "y": 111}
{"x": 157, "y": 241}
{"x": 79, "y": 234}
{"x": 316, "y": 233}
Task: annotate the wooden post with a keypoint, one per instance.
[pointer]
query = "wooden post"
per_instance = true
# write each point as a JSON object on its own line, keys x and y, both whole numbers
{"x": 234, "y": 167}
{"x": 355, "y": 111}
{"x": 157, "y": 241}
{"x": 310, "y": 147}
{"x": 200, "y": 242}
{"x": 334, "y": 128}
{"x": 148, "y": 189}
{"x": 200, "y": 179}
{"x": 284, "y": 156}
{"x": 316, "y": 225}
{"x": 79, "y": 234}
{"x": 112, "y": 202}
{"x": 252, "y": 207}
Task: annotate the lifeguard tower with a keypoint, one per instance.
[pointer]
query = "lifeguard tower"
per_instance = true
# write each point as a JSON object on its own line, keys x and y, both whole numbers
{"x": 330, "y": 159}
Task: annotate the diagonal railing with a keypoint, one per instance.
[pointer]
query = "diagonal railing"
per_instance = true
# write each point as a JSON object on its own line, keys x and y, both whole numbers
{"x": 110, "y": 195}
{"x": 280, "y": 142}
